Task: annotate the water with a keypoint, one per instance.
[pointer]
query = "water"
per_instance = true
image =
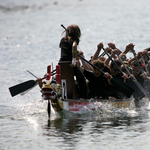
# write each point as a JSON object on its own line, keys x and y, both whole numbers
{"x": 29, "y": 39}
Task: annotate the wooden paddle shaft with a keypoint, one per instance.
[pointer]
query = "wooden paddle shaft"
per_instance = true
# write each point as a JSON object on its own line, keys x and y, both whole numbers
{"x": 91, "y": 64}
{"x": 123, "y": 64}
{"x": 113, "y": 61}
{"x": 133, "y": 51}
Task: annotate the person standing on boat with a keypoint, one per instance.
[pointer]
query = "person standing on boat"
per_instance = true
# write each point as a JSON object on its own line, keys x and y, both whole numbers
{"x": 67, "y": 62}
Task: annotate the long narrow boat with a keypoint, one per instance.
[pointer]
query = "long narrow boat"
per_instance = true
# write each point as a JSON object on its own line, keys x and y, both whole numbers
{"x": 55, "y": 92}
{"x": 77, "y": 105}
{"x": 61, "y": 93}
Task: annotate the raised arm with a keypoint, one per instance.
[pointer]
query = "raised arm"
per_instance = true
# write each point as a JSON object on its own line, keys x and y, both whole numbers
{"x": 113, "y": 46}
{"x": 127, "y": 49}
{"x": 85, "y": 64}
{"x": 113, "y": 55}
{"x": 133, "y": 58}
{"x": 99, "y": 47}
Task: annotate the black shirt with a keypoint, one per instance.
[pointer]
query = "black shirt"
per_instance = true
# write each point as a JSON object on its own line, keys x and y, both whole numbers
{"x": 139, "y": 79}
{"x": 98, "y": 86}
{"x": 66, "y": 50}
{"x": 115, "y": 91}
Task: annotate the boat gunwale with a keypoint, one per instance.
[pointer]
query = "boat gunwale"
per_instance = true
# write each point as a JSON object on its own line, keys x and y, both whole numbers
{"x": 96, "y": 100}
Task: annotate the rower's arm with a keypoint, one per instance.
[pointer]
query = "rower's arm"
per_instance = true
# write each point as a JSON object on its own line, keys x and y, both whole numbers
{"x": 99, "y": 47}
{"x": 138, "y": 57}
{"x": 113, "y": 55}
{"x": 113, "y": 46}
{"x": 74, "y": 53}
{"x": 148, "y": 78}
{"x": 106, "y": 62}
{"x": 85, "y": 64}
{"x": 131, "y": 60}
{"x": 128, "y": 48}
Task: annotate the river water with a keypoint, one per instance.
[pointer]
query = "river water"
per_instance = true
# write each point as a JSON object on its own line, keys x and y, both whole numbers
{"x": 30, "y": 33}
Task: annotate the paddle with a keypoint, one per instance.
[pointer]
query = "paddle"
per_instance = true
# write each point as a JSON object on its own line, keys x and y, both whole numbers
{"x": 133, "y": 51}
{"x": 146, "y": 82}
{"x": 102, "y": 54}
{"x": 147, "y": 60}
{"x": 23, "y": 93}
{"x": 127, "y": 90}
{"x": 145, "y": 65}
{"x": 22, "y": 87}
{"x": 139, "y": 90}
{"x": 32, "y": 73}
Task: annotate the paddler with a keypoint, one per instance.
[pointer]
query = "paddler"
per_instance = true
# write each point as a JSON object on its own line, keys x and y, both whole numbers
{"x": 114, "y": 72}
{"x": 97, "y": 84}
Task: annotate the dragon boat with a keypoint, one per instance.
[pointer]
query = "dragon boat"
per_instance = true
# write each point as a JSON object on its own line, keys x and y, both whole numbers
{"x": 62, "y": 95}
{"x": 55, "y": 92}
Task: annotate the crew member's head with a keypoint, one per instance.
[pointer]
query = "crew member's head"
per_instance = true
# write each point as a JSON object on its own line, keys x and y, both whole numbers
{"x": 135, "y": 68}
{"x": 99, "y": 64}
{"x": 113, "y": 69}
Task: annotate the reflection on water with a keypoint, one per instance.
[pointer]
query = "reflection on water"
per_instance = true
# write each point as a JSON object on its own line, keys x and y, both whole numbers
{"x": 79, "y": 132}
{"x": 72, "y": 125}
{"x": 104, "y": 118}
{"x": 67, "y": 125}
{"x": 73, "y": 129}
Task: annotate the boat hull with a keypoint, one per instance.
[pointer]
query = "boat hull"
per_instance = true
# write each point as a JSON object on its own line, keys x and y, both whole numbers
{"x": 76, "y": 105}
